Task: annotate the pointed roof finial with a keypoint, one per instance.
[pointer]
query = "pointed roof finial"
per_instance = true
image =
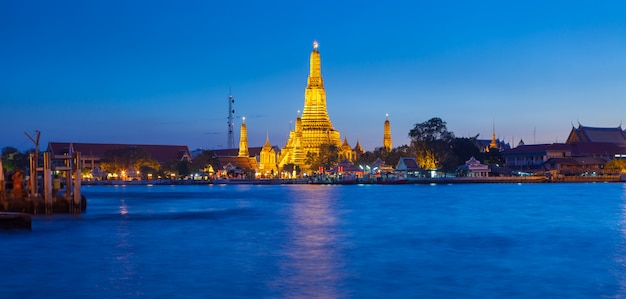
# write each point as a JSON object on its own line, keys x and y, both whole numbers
{"x": 315, "y": 44}
{"x": 494, "y": 143}
{"x": 267, "y": 140}
{"x": 243, "y": 120}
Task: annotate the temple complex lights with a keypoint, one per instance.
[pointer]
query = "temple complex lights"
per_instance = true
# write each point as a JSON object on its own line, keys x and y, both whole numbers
{"x": 313, "y": 128}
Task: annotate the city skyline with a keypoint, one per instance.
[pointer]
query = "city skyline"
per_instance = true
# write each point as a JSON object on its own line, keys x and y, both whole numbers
{"x": 160, "y": 73}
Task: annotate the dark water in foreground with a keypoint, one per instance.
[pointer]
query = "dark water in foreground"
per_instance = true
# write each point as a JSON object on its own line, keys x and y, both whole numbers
{"x": 303, "y": 241}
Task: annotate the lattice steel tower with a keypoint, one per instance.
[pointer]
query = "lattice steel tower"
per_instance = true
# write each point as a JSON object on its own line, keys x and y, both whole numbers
{"x": 231, "y": 114}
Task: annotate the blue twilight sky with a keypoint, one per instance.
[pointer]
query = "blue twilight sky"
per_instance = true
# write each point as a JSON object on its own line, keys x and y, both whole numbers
{"x": 159, "y": 72}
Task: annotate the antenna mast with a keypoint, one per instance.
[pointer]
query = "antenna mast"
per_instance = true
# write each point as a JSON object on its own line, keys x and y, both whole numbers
{"x": 231, "y": 112}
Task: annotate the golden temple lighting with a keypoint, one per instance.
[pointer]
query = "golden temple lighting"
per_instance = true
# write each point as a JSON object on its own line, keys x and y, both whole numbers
{"x": 313, "y": 127}
{"x": 243, "y": 140}
{"x": 387, "y": 134}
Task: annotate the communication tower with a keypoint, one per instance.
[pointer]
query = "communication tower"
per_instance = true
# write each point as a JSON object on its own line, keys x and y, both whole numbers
{"x": 231, "y": 114}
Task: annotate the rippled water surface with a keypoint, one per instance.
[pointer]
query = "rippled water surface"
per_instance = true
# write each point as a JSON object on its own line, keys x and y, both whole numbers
{"x": 317, "y": 241}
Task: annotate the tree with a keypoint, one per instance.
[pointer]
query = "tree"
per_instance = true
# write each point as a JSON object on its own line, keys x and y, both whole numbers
{"x": 201, "y": 163}
{"x": 118, "y": 160}
{"x": 290, "y": 167}
{"x": 327, "y": 157}
{"x": 464, "y": 148}
{"x": 493, "y": 157}
{"x": 617, "y": 165}
{"x": 169, "y": 170}
{"x": 430, "y": 131}
{"x": 13, "y": 159}
{"x": 432, "y": 143}
{"x": 177, "y": 168}
{"x": 392, "y": 157}
{"x": 184, "y": 168}
{"x": 367, "y": 158}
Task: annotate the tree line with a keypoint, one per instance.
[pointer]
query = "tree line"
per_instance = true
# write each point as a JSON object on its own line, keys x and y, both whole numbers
{"x": 115, "y": 161}
{"x": 123, "y": 159}
{"x": 432, "y": 145}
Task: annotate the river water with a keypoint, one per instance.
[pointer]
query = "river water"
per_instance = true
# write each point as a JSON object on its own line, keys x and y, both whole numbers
{"x": 326, "y": 241}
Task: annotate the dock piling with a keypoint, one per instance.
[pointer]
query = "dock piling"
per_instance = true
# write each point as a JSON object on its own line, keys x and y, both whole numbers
{"x": 77, "y": 176}
{"x": 47, "y": 181}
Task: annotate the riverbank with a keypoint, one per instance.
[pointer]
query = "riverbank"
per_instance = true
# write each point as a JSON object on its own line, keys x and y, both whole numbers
{"x": 199, "y": 182}
{"x": 379, "y": 180}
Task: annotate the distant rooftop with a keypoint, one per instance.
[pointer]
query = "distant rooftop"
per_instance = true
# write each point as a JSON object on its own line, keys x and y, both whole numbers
{"x": 161, "y": 153}
{"x": 614, "y": 135}
{"x": 234, "y": 152}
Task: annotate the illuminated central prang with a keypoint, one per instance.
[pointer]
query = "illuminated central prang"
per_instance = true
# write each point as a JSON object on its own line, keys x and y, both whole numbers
{"x": 387, "y": 134}
{"x": 313, "y": 127}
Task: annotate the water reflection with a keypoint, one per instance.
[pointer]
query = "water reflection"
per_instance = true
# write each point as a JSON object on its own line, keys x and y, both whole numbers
{"x": 123, "y": 276}
{"x": 123, "y": 208}
{"x": 620, "y": 257}
{"x": 313, "y": 259}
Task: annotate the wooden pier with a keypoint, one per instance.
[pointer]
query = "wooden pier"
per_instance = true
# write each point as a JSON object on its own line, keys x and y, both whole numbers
{"x": 44, "y": 199}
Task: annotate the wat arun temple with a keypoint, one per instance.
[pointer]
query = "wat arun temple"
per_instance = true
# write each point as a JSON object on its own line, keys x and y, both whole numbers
{"x": 313, "y": 128}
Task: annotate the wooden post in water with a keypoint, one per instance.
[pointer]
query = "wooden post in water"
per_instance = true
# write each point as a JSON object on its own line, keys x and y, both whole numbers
{"x": 77, "y": 175}
{"x": 68, "y": 176}
{"x": 47, "y": 183}
{"x": 32, "y": 180}
{"x": 2, "y": 184}
{"x": 34, "y": 162}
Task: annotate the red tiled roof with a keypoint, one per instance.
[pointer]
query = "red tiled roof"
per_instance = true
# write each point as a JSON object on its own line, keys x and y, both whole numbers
{"x": 597, "y": 148}
{"x": 161, "y": 153}
{"x": 575, "y": 148}
{"x": 410, "y": 163}
{"x": 559, "y": 147}
{"x": 528, "y": 148}
{"x": 378, "y": 163}
{"x": 593, "y": 134}
{"x": 576, "y": 161}
{"x": 234, "y": 152}
{"x": 407, "y": 164}
{"x": 244, "y": 163}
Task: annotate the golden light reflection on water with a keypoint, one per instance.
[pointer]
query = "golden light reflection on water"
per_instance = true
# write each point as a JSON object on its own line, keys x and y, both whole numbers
{"x": 313, "y": 260}
{"x": 124, "y": 271}
{"x": 123, "y": 208}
